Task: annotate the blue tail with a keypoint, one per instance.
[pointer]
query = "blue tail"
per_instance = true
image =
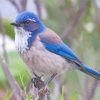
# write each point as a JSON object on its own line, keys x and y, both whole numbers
{"x": 90, "y": 71}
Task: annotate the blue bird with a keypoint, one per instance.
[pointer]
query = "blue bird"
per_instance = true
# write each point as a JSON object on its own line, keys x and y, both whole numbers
{"x": 43, "y": 50}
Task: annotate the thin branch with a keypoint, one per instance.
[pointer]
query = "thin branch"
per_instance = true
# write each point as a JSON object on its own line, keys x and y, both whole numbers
{"x": 57, "y": 88}
{"x": 23, "y": 4}
{"x": 75, "y": 20}
{"x": 86, "y": 88}
{"x": 13, "y": 84}
{"x": 13, "y": 2}
{"x": 38, "y": 7}
{"x": 4, "y": 48}
{"x": 21, "y": 7}
{"x": 97, "y": 15}
{"x": 3, "y": 39}
{"x": 92, "y": 91}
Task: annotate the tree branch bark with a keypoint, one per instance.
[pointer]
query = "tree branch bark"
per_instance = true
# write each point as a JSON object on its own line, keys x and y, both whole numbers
{"x": 13, "y": 84}
{"x": 38, "y": 7}
{"x": 13, "y": 2}
{"x": 23, "y": 4}
{"x": 21, "y": 7}
{"x": 92, "y": 91}
{"x": 3, "y": 38}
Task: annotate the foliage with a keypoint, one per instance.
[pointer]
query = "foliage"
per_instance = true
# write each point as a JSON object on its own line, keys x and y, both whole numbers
{"x": 9, "y": 29}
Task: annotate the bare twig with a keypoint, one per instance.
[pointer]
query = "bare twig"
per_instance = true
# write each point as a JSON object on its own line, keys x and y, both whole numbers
{"x": 92, "y": 91}
{"x": 3, "y": 39}
{"x": 21, "y": 7}
{"x": 75, "y": 20}
{"x": 13, "y": 84}
{"x": 57, "y": 88}
{"x": 23, "y": 4}
{"x": 97, "y": 15}
{"x": 14, "y": 3}
{"x": 4, "y": 48}
{"x": 38, "y": 7}
{"x": 86, "y": 88}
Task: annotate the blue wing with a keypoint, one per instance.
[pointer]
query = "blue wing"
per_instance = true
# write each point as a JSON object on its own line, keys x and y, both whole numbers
{"x": 53, "y": 43}
{"x": 60, "y": 49}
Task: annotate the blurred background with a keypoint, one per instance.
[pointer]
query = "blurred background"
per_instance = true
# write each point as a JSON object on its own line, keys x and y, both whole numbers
{"x": 77, "y": 22}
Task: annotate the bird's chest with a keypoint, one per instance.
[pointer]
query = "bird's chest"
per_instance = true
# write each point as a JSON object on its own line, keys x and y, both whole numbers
{"x": 42, "y": 61}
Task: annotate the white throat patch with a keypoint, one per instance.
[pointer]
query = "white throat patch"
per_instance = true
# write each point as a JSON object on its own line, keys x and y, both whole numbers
{"x": 21, "y": 37}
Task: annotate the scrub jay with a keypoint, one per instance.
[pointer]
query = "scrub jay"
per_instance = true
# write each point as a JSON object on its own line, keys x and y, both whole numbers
{"x": 43, "y": 50}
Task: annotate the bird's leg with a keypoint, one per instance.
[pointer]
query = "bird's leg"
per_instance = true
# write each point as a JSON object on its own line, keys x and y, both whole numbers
{"x": 35, "y": 84}
{"x": 38, "y": 82}
{"x": 51, "y": 78}
{"x": 41, "y": 86}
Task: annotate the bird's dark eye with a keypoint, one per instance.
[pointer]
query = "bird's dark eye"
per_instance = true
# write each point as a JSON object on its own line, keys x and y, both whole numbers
{"x": 27, "y": 22}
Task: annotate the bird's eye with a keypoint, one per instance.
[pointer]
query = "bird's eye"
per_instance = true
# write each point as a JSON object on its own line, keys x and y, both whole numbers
{"x": 27, "y": 21}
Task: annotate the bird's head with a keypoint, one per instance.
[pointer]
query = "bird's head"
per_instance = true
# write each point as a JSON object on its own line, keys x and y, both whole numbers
{"x": 29, "y": 22}
{"x": 27, "y": 27}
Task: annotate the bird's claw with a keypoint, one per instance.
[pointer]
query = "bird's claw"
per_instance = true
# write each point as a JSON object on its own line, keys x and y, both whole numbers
{"x": 38, "y": 82}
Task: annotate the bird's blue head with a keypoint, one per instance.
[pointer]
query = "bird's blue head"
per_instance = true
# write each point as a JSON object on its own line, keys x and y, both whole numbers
{"x": 29, "y": 22}
{"x": 28, "y": 25}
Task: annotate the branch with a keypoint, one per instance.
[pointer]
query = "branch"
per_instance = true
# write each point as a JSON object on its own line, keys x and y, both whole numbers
{"x": 38, "y": 7}
{"x": 57, "y": 88}
{"x": 3, "y": 38}
{"x": 92, "y": 91}
{"x": 75, "y": 20}
{"x": 23, "y": 4}
{"x": 13, "y": 2}
{"x": 13, "y": 84}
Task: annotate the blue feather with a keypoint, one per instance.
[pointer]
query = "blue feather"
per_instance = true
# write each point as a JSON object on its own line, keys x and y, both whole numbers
{"x": 61, "y": 49}
{"x": 90, "y": 71}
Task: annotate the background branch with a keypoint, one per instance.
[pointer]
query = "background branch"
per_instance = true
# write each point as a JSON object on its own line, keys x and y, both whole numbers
{"x": 91, "y": 92}
{"x": 12, "y": 82}
{"x": 38, "y": 7}
{"x": 13, "y": 2}
{"x": 3, "y": 38}
{"x": 23, "y": 4}
{"x": 75, "y": 20}
{"x": 21, "y": 7}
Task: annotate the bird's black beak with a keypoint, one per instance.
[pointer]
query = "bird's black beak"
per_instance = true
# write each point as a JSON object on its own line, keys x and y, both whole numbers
{"x": 15, "y": 24}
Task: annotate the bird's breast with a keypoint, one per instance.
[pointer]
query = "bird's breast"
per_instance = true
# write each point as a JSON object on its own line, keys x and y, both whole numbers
{"x": 42, "y": 61}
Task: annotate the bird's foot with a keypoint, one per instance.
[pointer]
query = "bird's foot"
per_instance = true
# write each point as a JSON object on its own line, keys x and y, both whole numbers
{"x": 41, "y": 86}
{"x": 38, "y": 82}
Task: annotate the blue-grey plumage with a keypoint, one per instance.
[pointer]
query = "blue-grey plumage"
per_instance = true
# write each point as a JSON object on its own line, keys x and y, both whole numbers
{"x": 43, "y": 50}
